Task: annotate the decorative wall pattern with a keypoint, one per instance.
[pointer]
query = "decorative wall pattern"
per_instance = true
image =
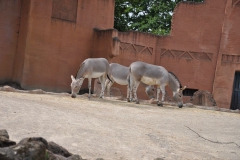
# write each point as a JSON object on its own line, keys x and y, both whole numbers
{"x": 65, "y": 10}
{"x": 135, "y": 48}
{"x": 186, "y": 55}
{"x": 230, "y": 58}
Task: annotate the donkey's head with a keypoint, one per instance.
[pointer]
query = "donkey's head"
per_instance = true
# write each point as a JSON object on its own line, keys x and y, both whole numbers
{"x": 178, "y": 96}
{"x": 150, "y": 91}
{"x": 75, "y": 86}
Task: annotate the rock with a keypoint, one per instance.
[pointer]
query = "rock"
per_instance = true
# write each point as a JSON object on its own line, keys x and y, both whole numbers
{"x": 152, "y": 101}
{"x": 5, "y": 142}
{"x": 51, "y": 156}
{"x": 190, "y": 105}
{"x": 8, "y": 88}
{"x": 75, "y": 157}
{"x": 32, "y": 150}
{"x": 37, "y": 91}
{"x": 57, "y": 149}
{"x": 34, "y": 139}
{"x": 4, "y": 133}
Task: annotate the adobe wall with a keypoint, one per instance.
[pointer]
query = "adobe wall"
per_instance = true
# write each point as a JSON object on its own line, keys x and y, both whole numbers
{"x": 10, "y": 11}
{"x": 22, "y": 42}
{"x": 135, "y": 46}
{"x": 125, "y": 48}
{"x": 191, "y": 51}
{"x": 54, "y": 39}
{"x": 229, "y": 55}
{"x": 44, "y": 42}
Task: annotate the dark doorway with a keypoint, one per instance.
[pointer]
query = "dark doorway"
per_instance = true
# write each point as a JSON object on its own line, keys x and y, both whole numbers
{"x": 235, "y": 104}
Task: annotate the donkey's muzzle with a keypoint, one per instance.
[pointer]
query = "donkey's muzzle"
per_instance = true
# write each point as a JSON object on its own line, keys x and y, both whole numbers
{"x": 180, "y": 105}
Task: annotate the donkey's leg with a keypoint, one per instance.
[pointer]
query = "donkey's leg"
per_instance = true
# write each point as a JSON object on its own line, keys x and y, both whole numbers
{"x": 89, "y": 86}
{"x": 109, "y": 93}
{"x": 135, "y": 87}
{"x": 106, "y": 86}
{"x": 128, "y": 93}
{"x": 102, "y": 80}
{"x": 158, "y": 93}
{"x": 130, "y": 87}
{"x": 162, "y": 87}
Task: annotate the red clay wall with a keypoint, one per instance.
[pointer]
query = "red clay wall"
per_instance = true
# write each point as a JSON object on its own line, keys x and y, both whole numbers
{"x": 22, "y": 42}
{"x": 135, "y": 46}
{"x": 229, "y": 55}
{"x": 44, "y": 42}
{"x": 9, "y": 31}
{"x": 57, "y": 42}
{"x": 190, "y": 51}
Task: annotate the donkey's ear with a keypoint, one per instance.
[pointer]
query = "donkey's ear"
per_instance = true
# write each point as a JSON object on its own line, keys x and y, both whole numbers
{"x": 72, "y": 78}
{"x": 183, "y": 88}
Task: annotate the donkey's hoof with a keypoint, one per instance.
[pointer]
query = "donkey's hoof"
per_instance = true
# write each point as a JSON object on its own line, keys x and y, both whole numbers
{"x": 137, "y": 102}
{"x": 160, "y": 104}
{"x": 128, "y": 100}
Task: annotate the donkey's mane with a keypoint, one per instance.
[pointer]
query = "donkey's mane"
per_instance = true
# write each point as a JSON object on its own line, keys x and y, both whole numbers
{"x": 78, "y": 69}
{"x": 174, "y": 76}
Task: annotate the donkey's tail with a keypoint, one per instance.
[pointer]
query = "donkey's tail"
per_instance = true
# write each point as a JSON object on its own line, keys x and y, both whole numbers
{"x": 109, "y": 78}
{"x": 128, "y": 77}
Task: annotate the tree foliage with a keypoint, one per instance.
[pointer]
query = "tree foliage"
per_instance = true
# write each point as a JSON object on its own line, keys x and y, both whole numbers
{"x": 152, "y": 16}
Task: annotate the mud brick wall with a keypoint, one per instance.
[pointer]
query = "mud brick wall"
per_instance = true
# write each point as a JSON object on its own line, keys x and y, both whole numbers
{"x": 48, "y": 39}
{"x": 10, "y": 11}
{"x": 43, "y": 42}
{"x": 229, "y": 55}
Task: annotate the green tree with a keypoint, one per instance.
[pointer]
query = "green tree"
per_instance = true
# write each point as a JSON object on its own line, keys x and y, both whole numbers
{"x": 152, "y": 16}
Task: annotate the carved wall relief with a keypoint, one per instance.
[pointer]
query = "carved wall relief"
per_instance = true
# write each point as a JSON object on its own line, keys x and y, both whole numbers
{"x": 135, "y": 48}
{"x": 186, "y": 55}
{"x": 230, "y": 58}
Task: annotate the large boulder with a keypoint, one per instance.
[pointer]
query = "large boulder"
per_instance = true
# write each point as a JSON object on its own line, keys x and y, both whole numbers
{"x": 57, "y": 149}
{"x": 4, "y": 133}
{"x": 51, "y": 156}
{"x": 4, "y": 139}
{"x": 31, "y": 150}
{"x": 4, "y": 142}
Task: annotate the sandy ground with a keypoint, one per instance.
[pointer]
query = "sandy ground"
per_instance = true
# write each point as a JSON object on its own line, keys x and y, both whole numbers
{"x": 114, "y": 130}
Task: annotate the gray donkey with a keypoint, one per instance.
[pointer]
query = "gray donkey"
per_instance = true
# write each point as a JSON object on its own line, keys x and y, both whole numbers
{"x": 90, "y": 68}
{"x": 119, "y": 73}
{"x": 154, "y": 75}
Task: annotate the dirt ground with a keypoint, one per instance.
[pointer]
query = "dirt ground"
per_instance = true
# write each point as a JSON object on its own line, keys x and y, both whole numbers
{"x": 117, "y": 130}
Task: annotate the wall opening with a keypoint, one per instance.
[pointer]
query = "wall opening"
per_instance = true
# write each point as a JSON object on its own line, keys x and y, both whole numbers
{"x": 235, "y": 103}
{"x": 189, "y": 91}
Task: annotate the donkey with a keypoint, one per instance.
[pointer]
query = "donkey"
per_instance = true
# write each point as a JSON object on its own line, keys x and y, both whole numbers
{"x": 119, "y": 73}
{"x": 90, "y": 68}
{"x": 154, "y": 75}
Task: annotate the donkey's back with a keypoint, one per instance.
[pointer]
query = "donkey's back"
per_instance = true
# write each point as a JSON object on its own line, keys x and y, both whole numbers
{"x": 144, "y": 72}
{"x": 96, "y": 64}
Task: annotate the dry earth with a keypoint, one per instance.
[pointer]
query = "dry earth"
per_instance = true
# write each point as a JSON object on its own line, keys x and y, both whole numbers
{"x": 114, "y": 130}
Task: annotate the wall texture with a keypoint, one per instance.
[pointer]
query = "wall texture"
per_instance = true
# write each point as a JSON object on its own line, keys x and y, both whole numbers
{"x": 10, "y": 11}
{"x": 229, "y": 55}
{"x": 44, "y": 42}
